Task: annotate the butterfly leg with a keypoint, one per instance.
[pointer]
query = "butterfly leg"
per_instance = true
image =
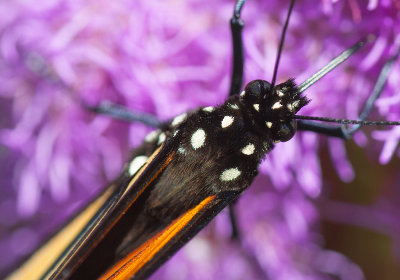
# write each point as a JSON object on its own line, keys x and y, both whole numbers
{"x": 122, "y": 113}
{"x": 347, "y": 132}
{"x": 237, "y": 25}
{"x": 235, "y": 229}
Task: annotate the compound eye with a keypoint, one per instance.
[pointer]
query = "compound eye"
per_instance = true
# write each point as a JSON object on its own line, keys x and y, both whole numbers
{"x": 287, "y": 131}
{"x": 257, "y": 89}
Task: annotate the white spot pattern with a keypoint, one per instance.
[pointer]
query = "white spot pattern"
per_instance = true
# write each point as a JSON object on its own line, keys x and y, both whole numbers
{"x": 234, "y": 106}
{"x": 293, "y": 106}
{"x": 208, "y": 109}
{"x": 198, "y": 139}
{"x": 227, "y": 121}
{"x": 257, "y": 107}
{"x": 243, "y": 93}
{"x": 152, "y": 136}
{"x": 181, "y": 150}
{"x": 230, "y": 174}
{"x": 269, "y": 124}
{"x": 249, "y": 149}
{"x": 277, "y": 105}
{"x": 136, "y": 164}
{"x": 179, "y": 119}
{"x": 161, "y": 138}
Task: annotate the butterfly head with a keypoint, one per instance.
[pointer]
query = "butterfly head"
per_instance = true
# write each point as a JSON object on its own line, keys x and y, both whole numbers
{"x": 275, "y": 106}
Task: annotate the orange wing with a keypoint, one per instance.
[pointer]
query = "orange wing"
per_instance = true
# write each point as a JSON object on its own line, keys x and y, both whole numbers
{"x": 137, "y": 259}
{"x": 65, "y": 249}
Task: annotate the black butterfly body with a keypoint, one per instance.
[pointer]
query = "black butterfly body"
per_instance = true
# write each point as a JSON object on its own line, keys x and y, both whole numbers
{"x": 243, "y": 133}
{"x": 245, "y": 128}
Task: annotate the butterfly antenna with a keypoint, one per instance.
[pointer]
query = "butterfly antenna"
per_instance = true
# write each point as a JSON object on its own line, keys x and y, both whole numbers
{"x": 278, "y": 57}
{"x": 345, "y": 121}
{"x": 335, "y": 62}
{"x": 376, "y": 92}
{"x": 378, "y": 88}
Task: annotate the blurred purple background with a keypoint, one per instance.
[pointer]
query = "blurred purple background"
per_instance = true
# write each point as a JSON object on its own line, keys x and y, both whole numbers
{"x": 298, "y": 220}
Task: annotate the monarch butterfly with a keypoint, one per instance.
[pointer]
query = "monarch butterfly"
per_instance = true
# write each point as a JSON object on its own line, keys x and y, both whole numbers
{"x": 281, "y": 184}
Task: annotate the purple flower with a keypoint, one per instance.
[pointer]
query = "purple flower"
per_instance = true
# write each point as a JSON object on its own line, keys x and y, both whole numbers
{"x": 165, "y": 58}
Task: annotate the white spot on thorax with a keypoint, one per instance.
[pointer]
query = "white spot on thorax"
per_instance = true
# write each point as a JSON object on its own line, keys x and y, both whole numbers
{"x": 208, "y": 109}
{"x": 277, "y": 105}
{"x": 227, "y": 121}
{"x": 161, "y": 138}
{"x": 248, "y": 150}
{"x": 182, "y": 150}
{"x": 281, "y": 93}
{"x": 230, "y": 174}
{"x": 234, "y": 106}
{"x": 152, "y": 136}
{"x": 243, "y": 93}
{"x": 269, "y": 124}
{"x": 178, "y": 119}
{"x": 257, "y": 107}
{"x": 175, "y": 133}
{"x": 293, "y": 106}
{"x": 198, "y": 139}
{"x": 136, "y": 164}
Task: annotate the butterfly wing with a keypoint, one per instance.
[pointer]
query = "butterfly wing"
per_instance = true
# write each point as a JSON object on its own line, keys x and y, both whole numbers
{"x": 144, "y": 260}
{"x": 65, "y": 251}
